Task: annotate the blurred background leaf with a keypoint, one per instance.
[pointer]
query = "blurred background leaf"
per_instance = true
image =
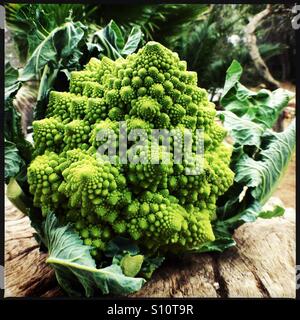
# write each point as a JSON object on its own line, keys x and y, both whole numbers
{"x": 209, "y": 37}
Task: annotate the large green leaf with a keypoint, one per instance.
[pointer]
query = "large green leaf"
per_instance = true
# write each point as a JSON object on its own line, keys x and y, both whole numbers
{"x": 59, "y": 44}
{"x": 223, "y": 229}
{"x": 13, "y": 130}
{"x": 262, "y": 107}
{"x": 267, "y": 106}
{"x": 76, "y": 270}
{"x": 233, "y": 76}
{"x": 17, "y": 149}
{"x": 12, "y": 84}
{"x": 133, "y": 41}
{"x": 276, "y": 212}
{"x": 13, "y": 161}
{"x": 31, "y": 23}
{"x": 246, "y": 136}
{"x": 258, "y": 167}
{"x": 260, "y": 155}
{"x": 249, "y": 214}
{"x": 243, "y": 131}
{"x": 219, "y": 245}
{"x": 263, "y": 173}
{"x": 253, "y": 212}
{"x": 150, "y": 264}
{"x": 112, "y": 43}
{"x": 109, "y": 38}
{"x": 60, "y": 50}
{"x": 119, "y": 246}
{"x": 67, "y": 38}
{"x": 45, "y": 53}
{"x": 114, "y": 35}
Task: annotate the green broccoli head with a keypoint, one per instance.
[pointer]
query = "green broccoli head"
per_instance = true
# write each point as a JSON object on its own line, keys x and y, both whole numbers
{"x": 44, "y": 178}
{"x": 166, "y": 205}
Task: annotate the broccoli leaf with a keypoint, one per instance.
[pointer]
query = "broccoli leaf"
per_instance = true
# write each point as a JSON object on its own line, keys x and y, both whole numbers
{"x": 67, "y": 38}
{"x": 243, "y": 131}
{"x": 150, "y": 264}
{"x": 12, "y": 84}
{"x": 219, "y": 245}
{"x": 109, "y": 39}
{"x": 257, "y": 173}
{"x": 76, "y": 270}
{"x": 262, "y": 107}
{"x": 59, "y": 44}
{"x": 121, "y": 245}
{"x": 114, "y": 35}
{"x": 112, "y": 41}
{"x": 13, "y": 130}
{"x": 13, "y": 161}
{"x": 276, "y": 212}
{"x": 260, "y": 155}
{"x": 263, "y": 173}
{"x": 45, "y": 53}
{"x": 133, "y": 41}
{"x": 259, "y": 160}
{"x": 17, "y": 149}
{"x": 131, "y": 265}
{"x": 249, "y": 214}
{"x": 59, "y": 50}
{"x": 233, "y": 75}
{"x": 223, "y": 228}
{"x": 253, "y": 212}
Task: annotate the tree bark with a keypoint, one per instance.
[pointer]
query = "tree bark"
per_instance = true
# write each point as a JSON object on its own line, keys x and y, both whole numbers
{"x": 251, "y": 43}
{"x": 261, "y": 265}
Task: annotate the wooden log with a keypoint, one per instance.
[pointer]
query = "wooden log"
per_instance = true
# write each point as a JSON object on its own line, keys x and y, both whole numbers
{"x": 261, "y": 265}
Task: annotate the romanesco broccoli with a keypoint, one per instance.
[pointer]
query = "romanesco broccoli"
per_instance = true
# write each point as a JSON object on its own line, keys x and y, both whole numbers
{"x": 159, "y": 205}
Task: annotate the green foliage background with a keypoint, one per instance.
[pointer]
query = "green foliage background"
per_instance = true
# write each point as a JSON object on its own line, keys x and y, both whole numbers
{"x": 200, "y": 33}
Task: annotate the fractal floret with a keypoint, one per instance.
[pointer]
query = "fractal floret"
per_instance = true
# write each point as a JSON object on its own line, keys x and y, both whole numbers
{"x": 161, "y": 205}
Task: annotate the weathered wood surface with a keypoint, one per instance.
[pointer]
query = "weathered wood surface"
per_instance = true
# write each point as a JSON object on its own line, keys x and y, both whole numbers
{"x": 261, "y": 265}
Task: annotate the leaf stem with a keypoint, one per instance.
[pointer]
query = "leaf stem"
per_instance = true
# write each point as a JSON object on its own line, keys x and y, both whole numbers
{"x": 43, "y": 79}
